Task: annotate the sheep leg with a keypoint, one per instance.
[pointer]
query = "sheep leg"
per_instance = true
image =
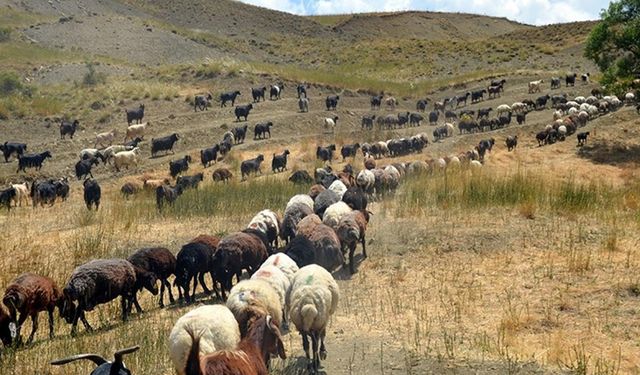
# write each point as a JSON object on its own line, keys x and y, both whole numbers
{"x": 215, "y": 286}
{"x": 34, "y": 327}
{"x": 314, "y": 347}
{"x": 50, "y": 312}
{"x": 323, "y": 350}
{"x": 137, "y": 304}
{"x": 364, "y": 247}
{"x": 204, "y": 286}
{"x": 123, "y": 307}
{"x": 171, "y": 299}
{"x": 352, "y": 250}
{"x": 305, "y": 346}
{"x": 21, "y": 320}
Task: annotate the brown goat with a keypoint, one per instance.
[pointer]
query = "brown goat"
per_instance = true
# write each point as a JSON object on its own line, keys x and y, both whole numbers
{"x": 222, "y": 174}
{"x": 238, "y": 251}
{"x": 159, "y": 262}
{"x": 315, "y": 190}
{"x": 250, "y": 357}
{"x": 29, "y": 294}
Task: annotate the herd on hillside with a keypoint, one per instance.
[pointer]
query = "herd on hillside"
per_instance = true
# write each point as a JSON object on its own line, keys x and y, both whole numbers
{"x": 287, "y": 284}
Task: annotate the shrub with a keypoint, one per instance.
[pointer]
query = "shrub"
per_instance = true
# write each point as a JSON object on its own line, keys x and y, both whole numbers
{"x": 5, "y": 34}
{"x": 9, "y": 83}
{"x": 92, "y": 77}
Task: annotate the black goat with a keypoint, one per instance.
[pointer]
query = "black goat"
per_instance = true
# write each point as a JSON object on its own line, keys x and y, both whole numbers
{"x": 32, "y": 161}
{"x": 582, "y": 138}
{"x": 92, "y": 193}
{"x": 301, "y": 177}
{"x": 421, "y": 105}
{"x": 209, "y": 155}
{"x": 251, "y": 165}
{"x": 163, "y": 144}
{"x": 228, "y": 97}
{"x": 202, "y": 102}
{"x": 178, "y": 166}
{"x": 62, "y": 188}
{"x": 376, "y": 101}
{"x": 239, "y": 133}
{"x": 332, "y": 102}
{"x": 262, "y": 129}
{"x": 83, "y": 167}
{"x": 43, "y": 192}
{"x": 570, "y": 79}
{"x": 135, "y": 114}
{"x": 275, "y": 91}
{"x": 10, "y": 148}
{"x": 190, "y": 182}
{"x": 349, "y": 150}
{"x": 105, "y": 367}
{"x": 6, "y": 196}
{"x": 167, "y": 194}
{"x": 133, "y": 143}
{"x": 325, "y": 153}
{"x": 68, "y": 128}
{"x": 279, "y": 162}
{"x": 301, "y": 90}
{"x": 258, "y": 93}
{"x": 243, "y": 111}
{"x": 511, "y": 142}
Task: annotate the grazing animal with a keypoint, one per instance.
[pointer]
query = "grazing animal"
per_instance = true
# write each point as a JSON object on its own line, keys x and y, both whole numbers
{"x": 22, "y": 194}
{"x": 391, "y": 102}
{"x": 521, "y": 118}
{"x": 330, "y": 123}
{"x": 105, "y": 367}
{"x": 275, "y": 91}
{"x": 68, "y": 128}
{"x": 92, "y": 193}
{"x": 105, "y": 138}
{"x": 193, "y": 261}
{"x": 222, "y": 174}
{"x": 83, "y": 167}
{"x": 202, "y": 102}
{"x": 251, "y": 166}
{"x": 228, "y": 97}
{"x": 209, "y": 155}
{"x": 555, "y": 83}
{"x": 325, "y": 153}
{"x": 332, "y": 102}
{"x": 535, "y": 86}
{"x": 279, "y": 162}
{"x": 6, "y": 196}
{"x": 421, "y": 105}
{"x": 301, "y": 177}
{"x": 28, "y": 295}
{"x": 376, "y": 101}
{"x": 178, "y": 166}
{"x": 351, "y": 229}
{"x": 10, "y": 148}
{"x": 262, "y": 129}
{"x": 301, "y": 90}
{"x": 163, "y": 144}
{"x": 126, "y": 158}
{"x": 136, "y": 131}
{"x": 478, "y": 95}
{"x": 243, "y": 111}
{"x": 570, "y": 79}
{"x": 257, "y": 93}
{"x": 135, "y": 115}
{"x": 239, "y": 133}
{"x": 96, "y": 282}
{"x": 367, "y": 121}
{"x": 349, "y": 151}
{"x": 130, "y": 188}
{"x": 32, "y": 161}
{"x": 303, "y": 104}
{"x": 582, "y": 138}
{"x": 168, "y": 194}
{"x": 313, "y": 299}
{"x": 190, "y": 182}
{"x": 158, "y": 262}
{"x": 511, "y": 142}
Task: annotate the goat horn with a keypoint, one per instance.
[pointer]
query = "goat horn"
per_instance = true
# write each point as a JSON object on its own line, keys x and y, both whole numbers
{"x": 98, "y": 360}
{"x": 120, "y": 353}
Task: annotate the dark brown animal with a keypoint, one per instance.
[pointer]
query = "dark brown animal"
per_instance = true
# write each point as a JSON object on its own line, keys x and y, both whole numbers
{"x": 159, "y": 262}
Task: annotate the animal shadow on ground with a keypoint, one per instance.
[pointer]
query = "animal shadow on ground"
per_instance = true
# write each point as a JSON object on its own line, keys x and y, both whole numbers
{"x": 610, "y": 152}
{"x": 343, "y": 273}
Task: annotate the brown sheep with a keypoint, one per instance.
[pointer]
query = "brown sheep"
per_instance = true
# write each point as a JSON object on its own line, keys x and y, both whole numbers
{"x": 238, "y": 251}
{"x": 159, "y": 262}
{"x": 370, "y": 163}
{"x": 222, "y": 174}
{"x": 351, "y": 230}
{"x": 315, "y": 190}
{"x": 205, "y": 239}
{"x": 193, "y": 261}
{"x": 29, "y": 294}
{"x": 321, "y": 247}
{"x": 307, "y": 225}
{"x": 6, "y": 335}
{"x": 130, "y": 188}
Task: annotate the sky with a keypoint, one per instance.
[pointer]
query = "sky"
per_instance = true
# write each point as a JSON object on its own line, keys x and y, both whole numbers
{"x": 535, "y": 12}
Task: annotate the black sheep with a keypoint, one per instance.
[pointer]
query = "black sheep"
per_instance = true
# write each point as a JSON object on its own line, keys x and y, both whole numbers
{"x": 421, "y": 105}
{"x": 570, "y": 79}
{"x": 228, "y": 97}
{"x": 582, "y": 138}
{"x": 301, "y": 177}
{"x": 168, "y": 194}
{"x": 158, "y": 261}
{"x": 10, "y": 148}
{"x": 355, "y": 198}
{"x": 275, "y": 91}
{"x": 349, "y": 151}
{"x": 92, "y": 193}
{"x": 511, "y": 142}
{"x": 190, "y": 182}
{"x": 301, "y": 90}
{"x": 192, "y": 262}
{"x": 32, "y": 161}
{"x": 178, "y": 166}
{"x": 163, "y": 144}
{"x": 433, "y": 117}
{"x": 262, "y": 129}
{"x": 521, "y": 118}
{"x": 376, "y": 101}
{"x": 332, "y": 102}
{"x": 251, "y": 166}
{"x": 209, "y": 155}
{"x": 258, "y": 93}
{"x": 135, "y": 114}
{"x": 243, "y": 111}
{"x": 83, "y": 167}
{"x": 69, "y": 128}
{"x": 279, "y": 162}
{"x": 43, "y": 192}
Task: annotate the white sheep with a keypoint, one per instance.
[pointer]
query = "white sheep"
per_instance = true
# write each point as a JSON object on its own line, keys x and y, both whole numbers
{"x": 573, "y": 111}
{"x": 22, "y": 194}
{"x": 384, "y": 150}
{"x": 475, "y": 164}
{"x": 214, "y": 324}
{"x": 330, "y": 123}
{"x": 518, "y": 107}
{"x": 580, "y": 99}
{"x": 88, "y": 153}
{"x": 250, "y": 298}
{"x": 450, "y": 129}
{"x": 135, "y": 131}
{"x": 338, "y": 187}
{"x": 572, "y": 104}
{"x": 393, "y": 171}
{"x": 313, "y": 300}
{"x": 300, "y": 198}
{"x": 453, "y": 161}
{"x": 111, "y": 151}
{"x": 562, "y": 131}
{"x": 592, "y": 100}
{"x": 126, "y": 158}
{"x": 267, "y": 222}
{"x": 557, "y": 115}
{"x": 104, "y": 138}
{"x": 366, "y": 181}
{"x": 334, "y": 213}
{"x": 284, "y": 263}
{"x": 502, "y": 108}
{"x": 629, "y": 97}
{"x": 278, "y": 281}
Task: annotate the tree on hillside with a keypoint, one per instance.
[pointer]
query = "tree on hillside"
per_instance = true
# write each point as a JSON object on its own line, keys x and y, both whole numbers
{"x": 614, "y": 43}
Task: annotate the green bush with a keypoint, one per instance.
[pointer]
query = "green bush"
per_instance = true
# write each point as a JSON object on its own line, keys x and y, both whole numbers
{"x": 92, "y": 78}
{"x": 9, "y": 83}
{"x": 5, "y": 34}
